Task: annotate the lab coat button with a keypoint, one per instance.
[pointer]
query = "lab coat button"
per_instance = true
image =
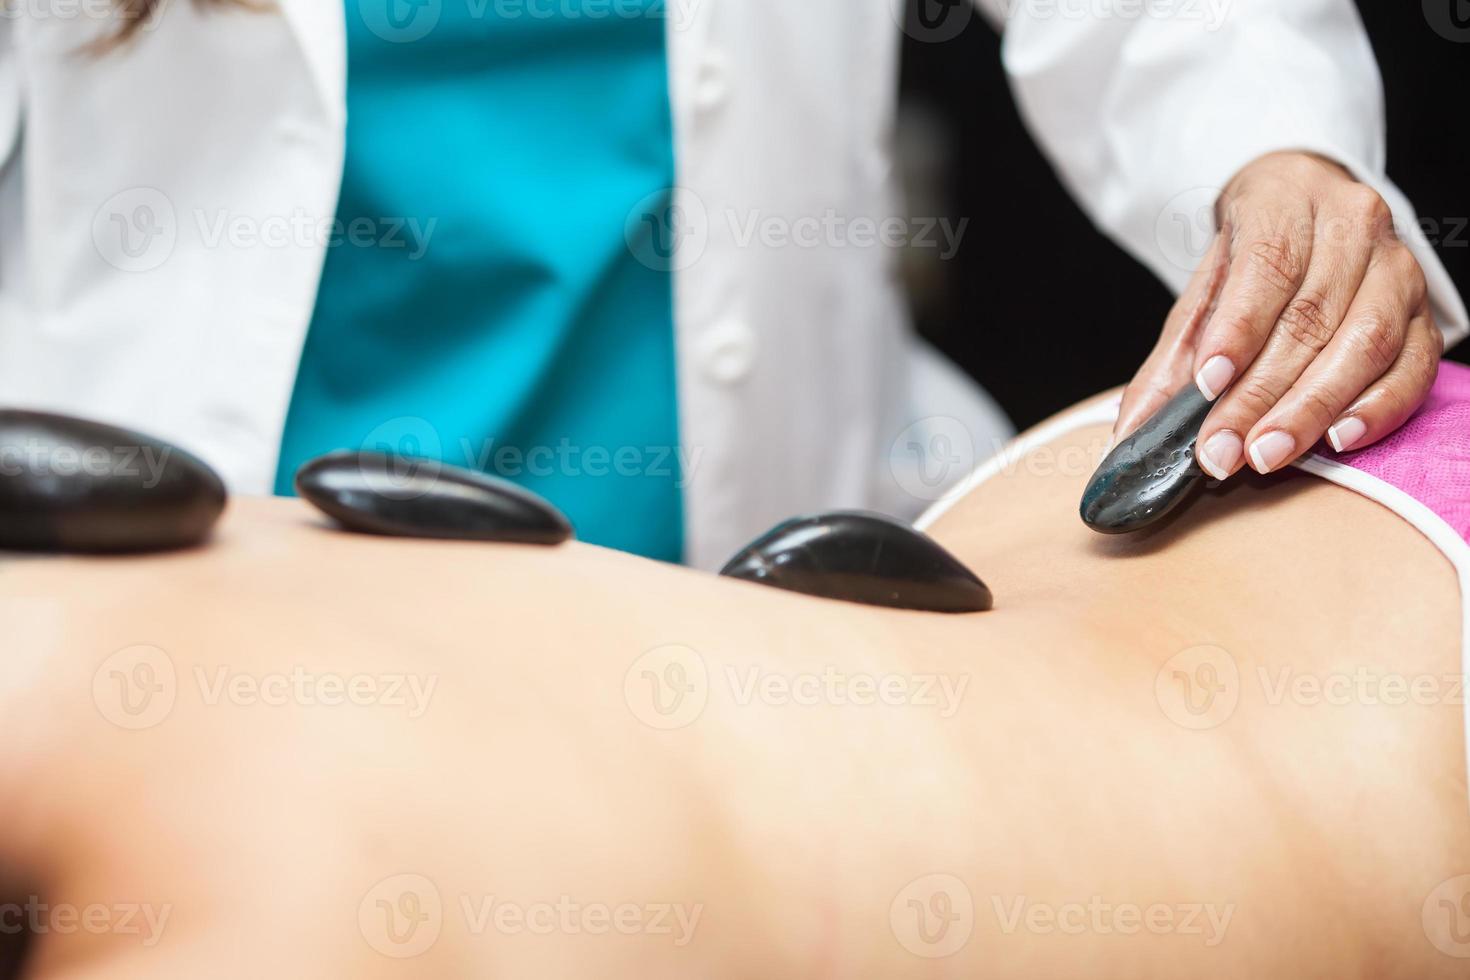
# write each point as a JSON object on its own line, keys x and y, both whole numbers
{"x": 712, "y": 86}
{"x": 727, "y": 351}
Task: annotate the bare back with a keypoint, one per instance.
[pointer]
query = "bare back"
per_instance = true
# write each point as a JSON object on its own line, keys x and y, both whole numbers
{"x": 1141, "y": 763}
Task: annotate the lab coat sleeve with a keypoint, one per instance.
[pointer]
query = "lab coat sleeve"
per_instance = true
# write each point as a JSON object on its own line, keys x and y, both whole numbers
{"x": 9, "y": 90}
{"x": 1148, "y": 107}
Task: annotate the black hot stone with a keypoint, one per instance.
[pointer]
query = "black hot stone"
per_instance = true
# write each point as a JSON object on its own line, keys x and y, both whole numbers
{"x": 377, "y": 493}
{"x": 1151, "y": 472}
{"x": 71, "y": 485}
{"x": 864, "y": 558}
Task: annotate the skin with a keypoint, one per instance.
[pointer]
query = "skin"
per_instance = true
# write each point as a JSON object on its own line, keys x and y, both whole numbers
{"x": 1306, "y": 836}
{"x": 1308, "y": 318}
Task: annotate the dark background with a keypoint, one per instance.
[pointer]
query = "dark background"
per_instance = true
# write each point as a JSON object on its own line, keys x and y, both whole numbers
{"x": 1040, "y": 339}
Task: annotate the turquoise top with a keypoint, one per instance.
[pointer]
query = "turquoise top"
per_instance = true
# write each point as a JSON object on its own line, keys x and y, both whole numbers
{"x": 480, "y": 302}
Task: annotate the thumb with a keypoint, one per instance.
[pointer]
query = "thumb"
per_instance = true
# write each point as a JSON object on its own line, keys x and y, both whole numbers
{"x": 1169, "y": 364}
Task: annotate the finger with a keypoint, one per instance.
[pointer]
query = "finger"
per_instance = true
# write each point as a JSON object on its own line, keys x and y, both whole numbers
{"x": 1270, "y": 255}
{"x": 1305, "y": 327}
{"x": 1389, "y": 401}
{"x": 1368, "y": 344}
{"x": 1167, "y": 368}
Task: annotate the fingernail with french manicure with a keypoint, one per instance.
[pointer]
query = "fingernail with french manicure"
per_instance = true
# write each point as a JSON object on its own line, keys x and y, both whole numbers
{"x": 1345, "y": 434}
{"x": 1215, "y": 377}
{"x": 1271, "y": 451}
{"x": 1220, "y": 453}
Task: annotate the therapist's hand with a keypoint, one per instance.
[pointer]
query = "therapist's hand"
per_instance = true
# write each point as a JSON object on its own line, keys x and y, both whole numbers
{"x": 1307, "y": 318}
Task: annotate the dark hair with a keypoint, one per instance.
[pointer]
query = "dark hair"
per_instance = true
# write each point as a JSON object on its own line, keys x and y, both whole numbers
{"x": 133, "y": 15}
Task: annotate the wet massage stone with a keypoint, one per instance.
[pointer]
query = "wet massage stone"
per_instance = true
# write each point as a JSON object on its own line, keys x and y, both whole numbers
{"x": 70, "y": 485}
{"x": 865, "y": 558}
{"x": 1151, "y": 472}
{"x": 378, "y": 493}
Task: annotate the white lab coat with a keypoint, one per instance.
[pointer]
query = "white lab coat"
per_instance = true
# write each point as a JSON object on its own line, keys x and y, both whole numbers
{"x": 800, "y": 386}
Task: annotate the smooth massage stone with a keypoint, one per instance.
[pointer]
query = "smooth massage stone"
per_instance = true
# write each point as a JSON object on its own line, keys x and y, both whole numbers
{"x": 377, "y": 493}
{"x": 71, "y": 485}
{"x": 1151, "y": 472}
{"x": 864, "y": 558}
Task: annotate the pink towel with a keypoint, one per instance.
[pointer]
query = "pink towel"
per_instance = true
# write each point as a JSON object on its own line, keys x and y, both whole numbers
{"x": 1429, "y": 458}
